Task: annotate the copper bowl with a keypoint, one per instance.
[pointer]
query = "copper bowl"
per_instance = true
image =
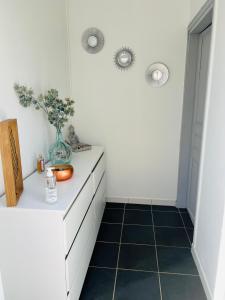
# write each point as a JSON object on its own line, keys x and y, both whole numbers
{"x": 62, "y": 172}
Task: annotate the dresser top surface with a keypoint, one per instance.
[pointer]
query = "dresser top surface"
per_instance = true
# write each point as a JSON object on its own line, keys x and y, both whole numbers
{"x": 33, "y": 196}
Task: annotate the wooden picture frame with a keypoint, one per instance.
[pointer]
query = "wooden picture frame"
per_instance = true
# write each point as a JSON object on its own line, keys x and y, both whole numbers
{"x": 11, "y": 161}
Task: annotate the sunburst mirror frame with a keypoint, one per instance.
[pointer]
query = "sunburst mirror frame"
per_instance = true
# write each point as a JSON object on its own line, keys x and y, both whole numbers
{"x": 93, "y": 40}
{"x": 124, "y": 58}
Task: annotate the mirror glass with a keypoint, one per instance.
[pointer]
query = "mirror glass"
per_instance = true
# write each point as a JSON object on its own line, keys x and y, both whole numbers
{"x": 124, "y": 58}
{"x": 92, "y": 41}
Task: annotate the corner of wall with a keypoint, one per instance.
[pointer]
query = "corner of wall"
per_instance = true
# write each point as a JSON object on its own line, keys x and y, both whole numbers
{"x": 68, "y": 51}
{"x": 202, "y": 274}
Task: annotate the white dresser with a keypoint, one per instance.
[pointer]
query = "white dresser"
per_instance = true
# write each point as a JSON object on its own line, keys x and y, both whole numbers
{"x": 45, "y": 249}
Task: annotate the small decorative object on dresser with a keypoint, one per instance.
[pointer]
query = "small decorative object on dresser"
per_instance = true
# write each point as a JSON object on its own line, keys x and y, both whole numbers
{"x": 11, "y": 161}
{"x": 58, "y": 112}
{"x": 74, "y": 142}
{"x": 40, "y": 164}
{"x": 62, "y": 172}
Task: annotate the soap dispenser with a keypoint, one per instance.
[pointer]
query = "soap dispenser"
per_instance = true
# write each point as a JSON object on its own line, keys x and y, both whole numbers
{"x": 50, "y": 189}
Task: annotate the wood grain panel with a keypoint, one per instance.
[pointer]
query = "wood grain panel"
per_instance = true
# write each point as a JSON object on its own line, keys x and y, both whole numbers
{"x": 11, "y": 161}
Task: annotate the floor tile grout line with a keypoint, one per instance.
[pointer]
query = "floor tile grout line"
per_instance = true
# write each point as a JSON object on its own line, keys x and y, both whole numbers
{"x": 118, "y": 258}
{"x": 137, "y": 225}
{"x": 149, "y": 245}
{"x": 146, "y": 271}
{"x": 134, "y": 209}
{"x": 151, "y": 208}
{"x": 114, "y": 208}
{"x": 125, "y": 243}
{"x": 168, "y": 246}
{"x": 110, "y": 223}
{"x": 178, "y": 274}
{"x": 107, "y": 242}
{"x": 185, "y": 228}
{"x": 101, "y": 267}
{"x": 147, "y": 210}
{"x": 155, "y": 211}
{"x": 158, "y": 226}
{"x": 134, "y": 224}
{"x": 157, "y": 261}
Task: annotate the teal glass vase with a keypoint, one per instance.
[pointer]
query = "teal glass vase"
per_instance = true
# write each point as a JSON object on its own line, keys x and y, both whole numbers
{"x": 60, "y": 152}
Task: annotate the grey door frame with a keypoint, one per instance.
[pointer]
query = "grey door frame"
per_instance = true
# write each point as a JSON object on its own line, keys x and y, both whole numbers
{"x": 200, "y": 22}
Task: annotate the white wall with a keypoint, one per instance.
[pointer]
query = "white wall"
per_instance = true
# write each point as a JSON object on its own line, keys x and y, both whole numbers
{"x": 209, "y": 241}
{"x": 196, "y": 6}
{"x": 32, "y": 52}
{"x": 138, "y": 125}
{"x": 2, "y": 297}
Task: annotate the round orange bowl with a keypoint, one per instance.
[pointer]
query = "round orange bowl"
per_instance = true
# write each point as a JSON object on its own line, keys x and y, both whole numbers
{"x": 62, "y": 172}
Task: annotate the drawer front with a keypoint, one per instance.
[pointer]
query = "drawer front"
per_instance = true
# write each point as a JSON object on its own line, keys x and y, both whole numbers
{"x": 79, "y": 257}
{"x": 98, "y": 172}
{"x": 99, "y": 201}
{"x": 77, "y": 212}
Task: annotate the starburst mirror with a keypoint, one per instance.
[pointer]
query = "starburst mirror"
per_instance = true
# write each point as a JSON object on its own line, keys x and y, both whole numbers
{"x": 124, "y": 58}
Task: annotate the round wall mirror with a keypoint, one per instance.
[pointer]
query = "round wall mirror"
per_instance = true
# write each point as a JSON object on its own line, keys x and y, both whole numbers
{"x": 92, "y": 40}
{"x": 157, "y": 74}
{"x": 124, "y": 58}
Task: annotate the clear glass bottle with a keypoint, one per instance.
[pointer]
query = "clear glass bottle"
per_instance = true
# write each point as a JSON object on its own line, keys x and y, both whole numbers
{"x": 50, "y": 189}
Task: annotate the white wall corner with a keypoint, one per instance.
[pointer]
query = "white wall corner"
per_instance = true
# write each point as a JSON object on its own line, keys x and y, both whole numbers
{"x": 202, "y": 274}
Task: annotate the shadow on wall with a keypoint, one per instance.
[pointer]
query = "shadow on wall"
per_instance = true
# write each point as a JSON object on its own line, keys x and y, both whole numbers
{"x": 1, "y": 289}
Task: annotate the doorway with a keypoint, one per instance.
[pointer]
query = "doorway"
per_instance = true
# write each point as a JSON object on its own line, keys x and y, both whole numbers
{"x": 198, "y": 119}
{"x": 198, "y": 54}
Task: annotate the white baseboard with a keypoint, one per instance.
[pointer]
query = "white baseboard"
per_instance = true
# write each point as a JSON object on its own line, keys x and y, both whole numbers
{"x": 147, "y": 201}
{"x": 140, "y": 201}
{"x": 191, "y": 215}
{"x": 117, "y": 199}
{"x": 164, "y": 202}
{"x": 202, "y": 274}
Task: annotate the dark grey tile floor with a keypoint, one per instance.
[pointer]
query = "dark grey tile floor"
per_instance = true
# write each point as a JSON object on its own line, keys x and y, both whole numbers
{"x": 143, "y": 252}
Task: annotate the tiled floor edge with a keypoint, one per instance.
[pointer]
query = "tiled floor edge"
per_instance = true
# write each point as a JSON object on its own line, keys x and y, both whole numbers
{"x": 157, "y": 259}
{"x": 202, "y": 274}
{"x": 117, "y": 199}
{"x": 118, "y": 258}
{"x": 150, "y": 201}
{"x": 144, "y": 271}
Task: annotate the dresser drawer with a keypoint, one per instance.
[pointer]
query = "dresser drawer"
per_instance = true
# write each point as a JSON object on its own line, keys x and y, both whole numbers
{"x": 98, "y": 172}
{"x": 99, "y": 201}
{"x": 77, "y": 212}
{"x": 79, "y": 257}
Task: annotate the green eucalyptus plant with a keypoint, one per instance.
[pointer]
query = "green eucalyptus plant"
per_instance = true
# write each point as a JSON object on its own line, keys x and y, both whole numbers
{"x": 57, "y": 110}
